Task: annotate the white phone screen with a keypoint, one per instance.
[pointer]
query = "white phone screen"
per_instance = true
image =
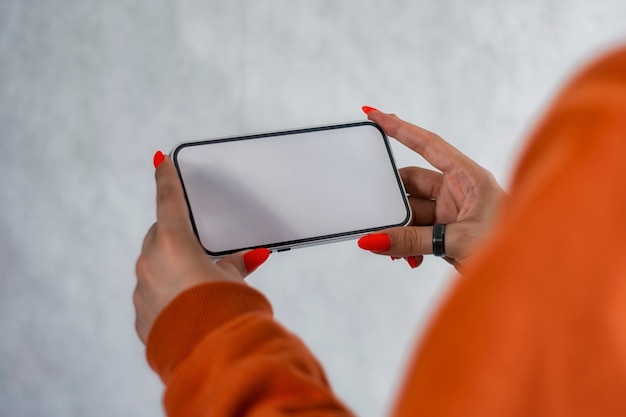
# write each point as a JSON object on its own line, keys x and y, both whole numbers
{"x": 292, "y": 188}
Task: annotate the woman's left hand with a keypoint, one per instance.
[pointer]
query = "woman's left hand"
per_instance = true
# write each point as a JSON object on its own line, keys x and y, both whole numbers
{"x": 462, "y": 195}
{"x": 172, "y": 259}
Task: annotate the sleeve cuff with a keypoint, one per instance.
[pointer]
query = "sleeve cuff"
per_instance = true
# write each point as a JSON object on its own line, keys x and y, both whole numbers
{"x": 194, "y": 314}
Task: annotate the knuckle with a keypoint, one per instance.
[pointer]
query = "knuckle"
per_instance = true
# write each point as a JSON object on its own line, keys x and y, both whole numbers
{"x": 141, "y": 267}
{"x": 176, "y": 242}
{"x": 394, "y": 124}
{"x": 138, "y": 328}
{"x": 136, "y": 298}
{"x": 168, "y": 240}
{"x": 149, "y": 237}
{"x": 419, "y": 245}
{"x": 411, "y": 241}
{"x": 401, "y": 129}
{"x": 406, "y": 241}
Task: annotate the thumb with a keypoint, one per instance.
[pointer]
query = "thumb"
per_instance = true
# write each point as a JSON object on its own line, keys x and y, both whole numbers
{"x": 172, "y": 211}
{"x": 245, "y": 262}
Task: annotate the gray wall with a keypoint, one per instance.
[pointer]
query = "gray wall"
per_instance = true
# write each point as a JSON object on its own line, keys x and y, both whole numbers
{"x": 89, "y": 90}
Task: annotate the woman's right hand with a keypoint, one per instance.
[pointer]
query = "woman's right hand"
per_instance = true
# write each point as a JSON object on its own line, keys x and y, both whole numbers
{"x": 462, "y": 195}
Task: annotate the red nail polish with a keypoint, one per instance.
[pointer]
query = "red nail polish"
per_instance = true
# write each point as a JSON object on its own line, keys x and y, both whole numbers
{"x": 412, "y": 260}
{"x": 379, "y": 242}
{"x": 394, "y": 258}
{"x": 367, "y": 109}
{"x": 255, "y": 258}
{"x": 158, "y": 158}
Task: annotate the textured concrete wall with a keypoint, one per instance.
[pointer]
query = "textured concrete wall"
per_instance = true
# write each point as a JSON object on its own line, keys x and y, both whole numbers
{"x": 89, "y": 90}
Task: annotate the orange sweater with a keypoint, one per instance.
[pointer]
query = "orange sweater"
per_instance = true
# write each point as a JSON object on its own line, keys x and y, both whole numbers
{"x": 537, "y": 326}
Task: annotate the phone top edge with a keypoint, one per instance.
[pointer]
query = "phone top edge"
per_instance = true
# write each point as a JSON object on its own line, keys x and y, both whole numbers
{"x": 282, "y": 132}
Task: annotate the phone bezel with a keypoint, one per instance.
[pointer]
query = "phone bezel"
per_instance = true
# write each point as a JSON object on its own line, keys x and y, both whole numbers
{"x": 296, "y": 243}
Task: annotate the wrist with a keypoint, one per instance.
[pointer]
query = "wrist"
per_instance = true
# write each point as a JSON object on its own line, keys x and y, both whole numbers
{"x": 193, "y": 315}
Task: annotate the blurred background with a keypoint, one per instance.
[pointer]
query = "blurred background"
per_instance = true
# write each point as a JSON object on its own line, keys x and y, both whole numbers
{"x": 90, "y": 90}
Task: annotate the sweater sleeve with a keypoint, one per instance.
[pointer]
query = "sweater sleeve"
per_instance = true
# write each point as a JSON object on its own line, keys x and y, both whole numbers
{"x": 220, "y": 352}
{"x": 537, "y": 326}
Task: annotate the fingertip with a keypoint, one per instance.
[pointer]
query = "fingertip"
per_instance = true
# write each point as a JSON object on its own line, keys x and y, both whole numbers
{"x": 255, "y": 258}
{"x": 368, "y": 109}
{"x": 414, "y": 261}
{"x": 158, "y": 159}
{"x": 377, "y": 242}
{"x": 172, "y": 209}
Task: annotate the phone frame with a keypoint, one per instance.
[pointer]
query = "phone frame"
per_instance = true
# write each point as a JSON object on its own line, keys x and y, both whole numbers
{"x": 296, "y": 243}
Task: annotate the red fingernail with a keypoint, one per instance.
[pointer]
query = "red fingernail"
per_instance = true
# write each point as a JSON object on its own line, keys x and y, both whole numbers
{"x": 367, "y": 109}
{"x": 412, "y": 260}
{"x": 394, "y": 258}
{"x": 255, "y": 258}
{"x": 158, "y": 158}
{"x": 377, "y": 242}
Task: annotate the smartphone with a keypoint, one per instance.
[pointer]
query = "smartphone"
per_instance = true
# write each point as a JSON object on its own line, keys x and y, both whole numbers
{"x": 291, "y": 188}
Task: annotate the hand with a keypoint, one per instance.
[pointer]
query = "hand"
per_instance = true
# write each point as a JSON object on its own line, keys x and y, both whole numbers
{"x": 172, "y": 260}
{"x": 462, "y": 195}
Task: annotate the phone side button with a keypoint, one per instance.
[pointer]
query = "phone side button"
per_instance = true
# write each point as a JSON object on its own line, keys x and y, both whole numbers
{"x": 283, "y": 250}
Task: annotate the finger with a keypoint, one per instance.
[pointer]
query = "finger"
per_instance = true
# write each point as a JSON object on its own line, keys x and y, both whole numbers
{"x": 172, "y": 210}
{"x": 243, "y": 263}
{"x": 421, "y": 182}
{"x": 409, "y": 241}
{"x": 139, "y": 305}
{"x": 418, "y": 240}
{"x": 432, "y": 147}
{"x": 414, "y": 261}
{"x": 402, "y": 242}
{"x": 423, "y": 210}
{"x": 456, "y": 264}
